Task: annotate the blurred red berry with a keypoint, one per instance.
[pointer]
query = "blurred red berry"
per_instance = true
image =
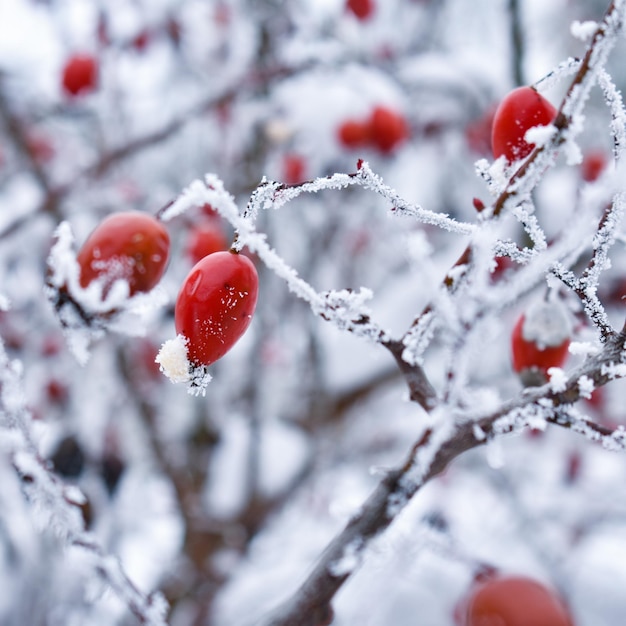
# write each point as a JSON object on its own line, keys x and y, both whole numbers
{"x": 141, "y": 40}
{"x": 514, "y": 601}
{"x": 294, "y": 169}
{"x": 478, "y": 133}
{"x": 594, "y": 163}
{"x": 40, "y": 148}
{"x": 362, "y": 9}
{"x": 354, "y": 134}
{"x": 204, "y": 239}
{"x": 80, "y": 74}
{"x": 388, "y": 128}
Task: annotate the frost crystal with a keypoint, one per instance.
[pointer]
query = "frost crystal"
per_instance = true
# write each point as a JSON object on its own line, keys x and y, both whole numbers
{"x": 583, "y": 30}
{"x": 583, "y": 348}
{"x": 172, "y": 359}
{"x": 350, "y": 559}
{"x": 586, "y": 386}
{"x": 173, "y": 362}
{"x": 558, "y": 379}
{"x": 547, "y": 324}
{"x": 540, "y": 135}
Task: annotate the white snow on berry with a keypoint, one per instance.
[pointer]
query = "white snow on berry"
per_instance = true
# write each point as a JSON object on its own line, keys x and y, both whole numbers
{"x": 172, "y": 359}
{"x": 540, "y": 135}
{"x": 547, "y": 324}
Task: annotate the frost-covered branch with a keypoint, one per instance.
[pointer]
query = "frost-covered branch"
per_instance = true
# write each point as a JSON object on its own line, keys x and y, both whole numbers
{"x": 56, "y": 504}
{"x": 568, "y": 120}
{"x": 586, "y": 286}
{"x": 441, "y": 442}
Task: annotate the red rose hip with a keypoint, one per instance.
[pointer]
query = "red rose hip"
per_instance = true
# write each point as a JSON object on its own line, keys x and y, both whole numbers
{"x": 387, "y": 129}
{"x": 215, "y": 305}
{"x": 514, "y": 601}
{"x": 80, "y": 74}
{"x": 361, "y": 9}
{"x": 129, "y": 246}
{"x": 540, "y": 340}
{"x": 522, "y": 109}
{"x": 204, "y": 239}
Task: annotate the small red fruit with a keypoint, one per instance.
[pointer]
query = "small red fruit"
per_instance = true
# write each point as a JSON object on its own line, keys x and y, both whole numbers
{"x": 131, "y": 246}
{"x": 388, "y": 128}
{"x": 215, "y": 305}
{"x": 362, "y": 9}
{"x": 522, "y": 109}
{"x": 354, "y": 134}
{"x": 540, "y": 340}
{"x": 205, "y": 239}
{"x": 294, "y": 168}
{"x": 594, "y": 163}
{"x": 80, "y": 74}
{"x": 478, "y": 132}
{"x": 40, "y": 148}
{"x": 141, "y": 40}
{"x": 515, "y": 601}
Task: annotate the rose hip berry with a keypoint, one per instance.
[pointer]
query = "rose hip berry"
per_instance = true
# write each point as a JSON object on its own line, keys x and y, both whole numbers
{"x": 130, "y": 246}
{"x": 514, "y": 601}
{"x": 522, "y": 109}
{"x": 215, "y": 305}
{"x": 540, "y": 340}
{"x": 204, "y": 239}
{"x": 80, "y": 74}
{"x": 362, "y": 9}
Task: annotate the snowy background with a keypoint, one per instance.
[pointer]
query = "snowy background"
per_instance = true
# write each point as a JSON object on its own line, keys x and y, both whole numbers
{"x": 127, "y": 499}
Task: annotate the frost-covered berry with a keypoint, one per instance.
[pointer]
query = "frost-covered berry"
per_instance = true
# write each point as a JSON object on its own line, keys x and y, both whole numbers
{"x": 215, "y": 305}
{"x": 522, "y": 109}
{"x": 540, "y": 340}
{"x": 130, "y": 246}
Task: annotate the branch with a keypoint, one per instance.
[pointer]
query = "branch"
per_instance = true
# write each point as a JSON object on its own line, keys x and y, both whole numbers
{"x": 437, "y": 447}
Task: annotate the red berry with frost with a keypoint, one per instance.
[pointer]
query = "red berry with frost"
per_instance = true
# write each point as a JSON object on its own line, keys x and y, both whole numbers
{"x": 522, "y": 109}
{"x": 387, "y": 129}
{"x": 362, "y": 9}
{"x": 130, "y": 246}
{"x": 215, "y": 305}
{"x": 540, "y": 340}
{"x": 204, "y": 239}
{"x": 515, "y": 601}
{"x": 80, "y": 74}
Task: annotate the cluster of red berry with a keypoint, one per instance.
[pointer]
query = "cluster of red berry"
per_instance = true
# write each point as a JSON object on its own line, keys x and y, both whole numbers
{"x": 541, "y": 336}
{"x": 383, "y": 129}
{"x": 217, "y": 299}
